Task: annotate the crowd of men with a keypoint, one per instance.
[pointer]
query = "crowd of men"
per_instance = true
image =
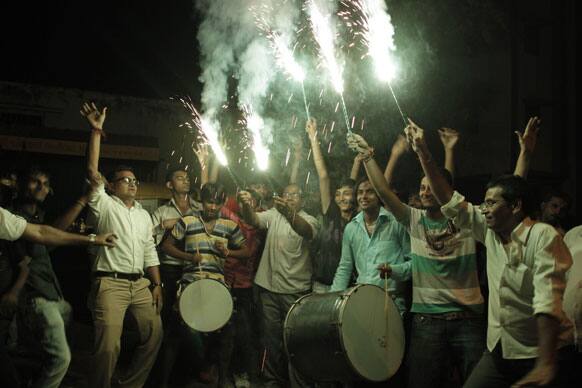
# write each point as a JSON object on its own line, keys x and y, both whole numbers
{"x": 269, "y": 252}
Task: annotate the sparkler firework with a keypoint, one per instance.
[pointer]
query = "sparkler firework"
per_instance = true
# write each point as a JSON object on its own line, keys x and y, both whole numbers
{"x": 255, "y": 125}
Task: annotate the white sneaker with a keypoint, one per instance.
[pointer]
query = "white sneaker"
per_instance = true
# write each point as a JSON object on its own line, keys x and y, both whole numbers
{"x": 242, "y": 380}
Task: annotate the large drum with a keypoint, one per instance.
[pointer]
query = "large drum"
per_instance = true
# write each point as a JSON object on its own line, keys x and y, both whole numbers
{"x": 342, "y": 336}
{"x": 205, "y": 304}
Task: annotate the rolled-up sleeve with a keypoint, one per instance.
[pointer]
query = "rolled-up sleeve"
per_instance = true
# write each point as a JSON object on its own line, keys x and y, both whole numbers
{"x": 343, "y": 273}
{"x": 552, "y": 261}
{"x": 150, "y": 254}
{"x": 465, "y": 216}
{"x": 99, "y": 201}
{"x": 11, "y": 226}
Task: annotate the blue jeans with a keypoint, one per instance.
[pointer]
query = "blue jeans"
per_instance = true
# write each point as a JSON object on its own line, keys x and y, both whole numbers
{"x": 45, "y": 320}
{"x": 435, "y": 342}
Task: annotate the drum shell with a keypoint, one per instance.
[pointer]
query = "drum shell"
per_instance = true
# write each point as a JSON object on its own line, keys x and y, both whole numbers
{"x": 312, "y": 333}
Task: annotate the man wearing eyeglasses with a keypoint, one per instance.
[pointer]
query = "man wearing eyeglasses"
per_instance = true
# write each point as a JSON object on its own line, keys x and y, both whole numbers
{"x": 118, "y": 283}
{"x": 285, "y": 270}
{"x": 529, "y": 337}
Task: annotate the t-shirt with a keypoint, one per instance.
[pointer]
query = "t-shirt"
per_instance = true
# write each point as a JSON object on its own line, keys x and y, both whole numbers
{"x": 285, "y": 265}
{"x": 192, "y": 232}
{"x": 328, "y": 250}
{"x": 11, "y": 226}
{"x": 443, "y": 266}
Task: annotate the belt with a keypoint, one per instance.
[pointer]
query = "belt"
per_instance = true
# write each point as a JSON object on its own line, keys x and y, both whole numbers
{"x": 454, "y": 315}
{"x": 118, "y": 275}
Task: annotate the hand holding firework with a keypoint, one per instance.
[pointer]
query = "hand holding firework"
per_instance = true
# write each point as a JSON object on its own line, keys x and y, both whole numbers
{"x": 358, "y": 144}
{"x": 311, "y": 128}
{"x": 415, "y": 136}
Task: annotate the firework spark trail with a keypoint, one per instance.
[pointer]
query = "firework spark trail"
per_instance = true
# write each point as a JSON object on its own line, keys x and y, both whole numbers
{"x": 325, "y": 39}
{"x": 255, "y": 124}
{"x": 207, "y": 130}
{"x": 378, "y": 34}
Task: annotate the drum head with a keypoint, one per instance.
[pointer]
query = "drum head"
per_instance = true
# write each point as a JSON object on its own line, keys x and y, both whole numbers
{"x": 205, "y": 305}
{"x": 372, "y": 333}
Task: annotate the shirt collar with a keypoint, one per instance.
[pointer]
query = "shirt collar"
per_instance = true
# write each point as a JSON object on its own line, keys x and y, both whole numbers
{"x": 384, "y": 214}
{"x": 521, "y": 232}
{"x": 136, "y": 204}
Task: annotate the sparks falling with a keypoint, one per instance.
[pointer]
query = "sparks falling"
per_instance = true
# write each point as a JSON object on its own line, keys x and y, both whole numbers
{"x": 255, "y": 125}
{"x": 207, "y": 130}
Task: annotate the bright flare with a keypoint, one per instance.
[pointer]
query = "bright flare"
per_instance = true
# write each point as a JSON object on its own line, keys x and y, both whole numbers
{"x": 255, "y": 124}
{"x": 211, "y": 135}
{"x": 379, "y": 34}
{"x": 285, "y": 58}
{"x": 325, "y": 39}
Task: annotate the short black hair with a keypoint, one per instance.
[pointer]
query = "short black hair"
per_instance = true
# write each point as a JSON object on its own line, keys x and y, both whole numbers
{"x": 514, "y": 188}
{"x": 172, "y": 171}
{"x": 119, "y": 168}
{"x": 349, "y": 182}
{"x": 550, "y": 192}
{"x": 256, "y": 196}
{"x": 213, "y": 192}
{"x": 25, "y": 176}
{"x": 445, "y": 174}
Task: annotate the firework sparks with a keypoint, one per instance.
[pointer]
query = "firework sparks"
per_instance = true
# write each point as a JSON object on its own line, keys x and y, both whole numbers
{"x": 255, "y": 125}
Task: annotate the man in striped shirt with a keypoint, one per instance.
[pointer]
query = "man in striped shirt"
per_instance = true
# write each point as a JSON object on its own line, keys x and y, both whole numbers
{"x": 447, "y": 304}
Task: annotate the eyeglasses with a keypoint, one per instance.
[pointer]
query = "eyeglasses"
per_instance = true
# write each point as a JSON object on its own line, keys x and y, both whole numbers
{"x": 488, "y": 205}
{"x": 128, "y": 181}
{"x": 291, "y": 195}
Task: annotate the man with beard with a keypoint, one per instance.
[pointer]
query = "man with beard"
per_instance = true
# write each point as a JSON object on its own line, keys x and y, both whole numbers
{"x": 118, "y": 283}
{"x": 529, "y": 337}
{"x": 371, "y": 240}
{"x": 284, "y": 272}
{"x": 554, "y": 209}
{"x": 447, "y": 304}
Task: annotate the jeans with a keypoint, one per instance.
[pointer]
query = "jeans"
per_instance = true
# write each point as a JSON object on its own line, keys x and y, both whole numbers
{"x": 434, "y": 341}
{"x": 278, "y": 371}
{"x": 44, "y": 322}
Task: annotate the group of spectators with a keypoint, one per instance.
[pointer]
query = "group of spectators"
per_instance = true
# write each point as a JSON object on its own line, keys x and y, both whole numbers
{"x": 269, "y": 252}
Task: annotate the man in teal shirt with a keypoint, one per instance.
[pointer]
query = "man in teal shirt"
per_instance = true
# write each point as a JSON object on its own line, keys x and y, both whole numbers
{"x": 372, "y": 239}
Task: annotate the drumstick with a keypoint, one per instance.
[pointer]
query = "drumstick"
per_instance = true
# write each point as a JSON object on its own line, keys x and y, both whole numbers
{"x": 264, "y": 360}
{"x": 199, "y": 257}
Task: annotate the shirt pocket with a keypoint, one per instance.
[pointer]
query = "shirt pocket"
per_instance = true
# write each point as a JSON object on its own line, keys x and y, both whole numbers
{"x": 518, "y": 279}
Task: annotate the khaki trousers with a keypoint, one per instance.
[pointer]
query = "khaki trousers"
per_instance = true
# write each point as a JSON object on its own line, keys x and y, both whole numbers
{"x": 109, "y": 299}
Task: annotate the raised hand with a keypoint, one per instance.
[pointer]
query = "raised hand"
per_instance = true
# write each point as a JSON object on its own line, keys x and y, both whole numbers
{"x": 449, "y": 137}
{"x": 282, "y": 206}
{"x": 358, "y": 144}
{"x": 311, "y": 128}
{"x": 527, "y": 140}
{"x": 93, "y": 116}
{"x": 202, "y": 153}
{"x": 400, "y": 146}
{"x": 245, "y": 198}
{"x": 415, "y": 137}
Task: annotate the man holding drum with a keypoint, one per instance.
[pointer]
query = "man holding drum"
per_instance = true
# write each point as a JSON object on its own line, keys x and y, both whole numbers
{"x": 205, "y": 240}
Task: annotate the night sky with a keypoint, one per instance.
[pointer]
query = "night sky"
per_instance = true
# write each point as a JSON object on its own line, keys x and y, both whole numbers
{"x": 141, "y": 48}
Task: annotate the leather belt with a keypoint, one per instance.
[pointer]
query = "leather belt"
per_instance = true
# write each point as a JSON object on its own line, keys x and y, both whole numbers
{"x": 118, "y": 275}
{"x": 454, "y": 315}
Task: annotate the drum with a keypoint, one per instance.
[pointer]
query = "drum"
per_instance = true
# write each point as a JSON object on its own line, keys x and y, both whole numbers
{"x": 205, "y": 304}
{"x": 342, "y": 336}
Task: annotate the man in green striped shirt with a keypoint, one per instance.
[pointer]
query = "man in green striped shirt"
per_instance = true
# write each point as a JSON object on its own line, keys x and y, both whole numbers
{"x": 447, "y": 304}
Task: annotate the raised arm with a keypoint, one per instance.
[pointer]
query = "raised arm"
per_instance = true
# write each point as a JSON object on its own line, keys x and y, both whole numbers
{"x": 376, "y": 177}
{"x": 203, "y": 156}
{"x": 248, "y": 214}
{"x": 299, "y": 225}
{"x": 324, "y": 182}
{"x": 527, "y": 145}
{"x": 399, "y": 148}
{"x": 66, "y": 219}
{"x": 438, "y": 184}
{"x": 96, "y": 120}
{"x": 47, "y": 235}
{"x": 449, "y": 137}
{"x": 355, "y": 171}
{"x": 296, "y": 162}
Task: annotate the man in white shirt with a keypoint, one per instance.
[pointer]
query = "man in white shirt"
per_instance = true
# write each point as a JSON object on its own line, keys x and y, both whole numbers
{"x": 118, "y": 283}
{"x": 284, "y": 272}
{"x": 529, "y": 336}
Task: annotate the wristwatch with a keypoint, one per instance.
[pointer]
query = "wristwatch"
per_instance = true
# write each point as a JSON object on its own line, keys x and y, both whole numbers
{"x": 160, "y": 284}
{"x": 92, "y": 238}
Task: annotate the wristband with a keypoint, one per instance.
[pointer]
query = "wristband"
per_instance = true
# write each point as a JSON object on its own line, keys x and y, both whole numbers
{"x": 100, "y": 131}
